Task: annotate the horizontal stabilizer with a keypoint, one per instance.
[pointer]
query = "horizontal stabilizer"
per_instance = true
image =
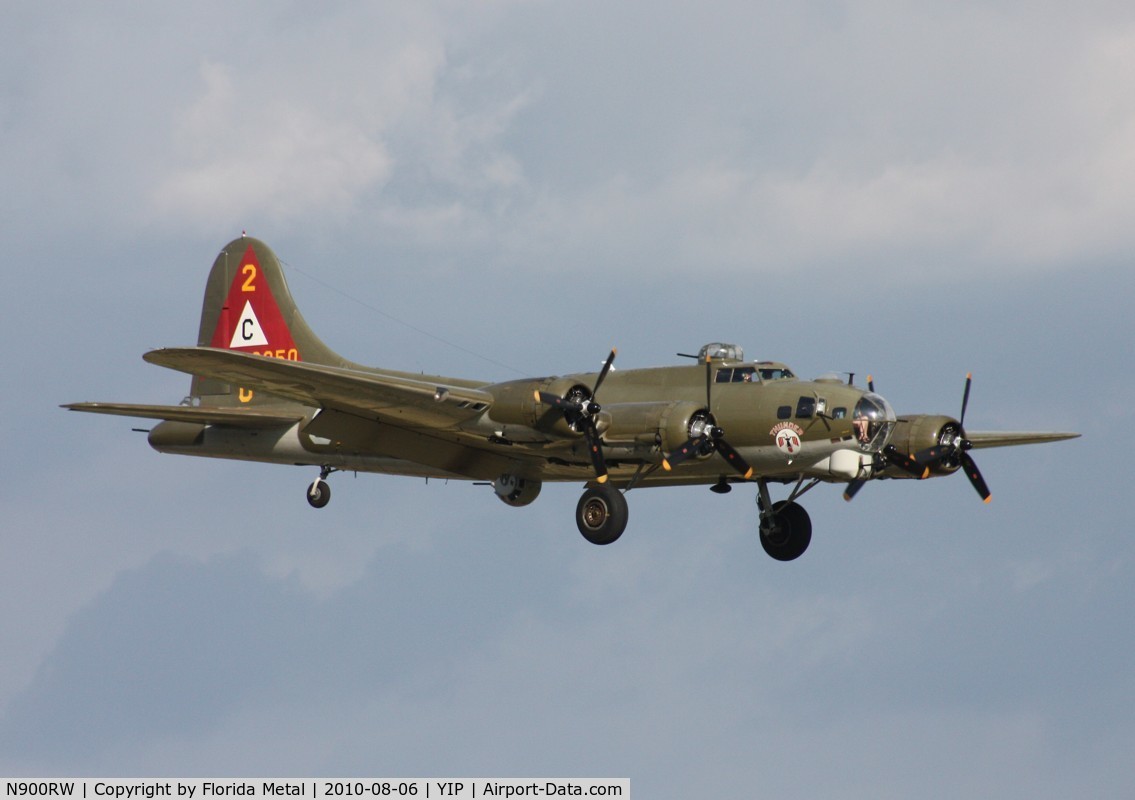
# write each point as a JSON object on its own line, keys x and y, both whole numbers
{"x": 205, "y": 415}
{"x": 387, "y": 395}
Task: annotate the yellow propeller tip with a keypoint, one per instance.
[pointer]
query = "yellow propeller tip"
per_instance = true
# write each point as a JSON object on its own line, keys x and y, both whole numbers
{"x": 536, "y": 394}
{"x": 602, "y": 479}
{"x": 986, "y": 500}
{"x": 666, "y": 465}
{"x": 748, "y": 473}
{"x": 925, "y": 474}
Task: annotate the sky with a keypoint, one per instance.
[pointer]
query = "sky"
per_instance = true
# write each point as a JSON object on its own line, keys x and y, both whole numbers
{"x": 498, "y": 189}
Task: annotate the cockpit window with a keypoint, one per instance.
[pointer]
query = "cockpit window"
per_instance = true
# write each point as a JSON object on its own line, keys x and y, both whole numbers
{"x": 737, "y": 375}
{"x": 775, "y": 374}
{"x": 873, "y": 420}
{"x": 752, "y": 374}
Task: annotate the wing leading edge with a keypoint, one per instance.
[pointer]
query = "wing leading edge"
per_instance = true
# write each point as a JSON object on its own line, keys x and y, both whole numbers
{"x": 1009, "y": 438}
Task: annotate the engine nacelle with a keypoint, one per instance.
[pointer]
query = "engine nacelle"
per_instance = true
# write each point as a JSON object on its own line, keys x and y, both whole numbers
{"x": 515, "y": 491}
{"x": 920, "y": 431}
{"x": 666, "y": 424}
{"x": 515, "y": 403}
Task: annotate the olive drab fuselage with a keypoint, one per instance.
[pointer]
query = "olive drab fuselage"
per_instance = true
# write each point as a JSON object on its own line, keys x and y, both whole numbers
{"x": 265, "y": 388}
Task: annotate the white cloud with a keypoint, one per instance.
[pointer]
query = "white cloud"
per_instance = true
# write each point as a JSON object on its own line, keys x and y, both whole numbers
{"x": 362, "y": 129}
{"x": 965, "y": 140}
{"x": 246, "y": 156}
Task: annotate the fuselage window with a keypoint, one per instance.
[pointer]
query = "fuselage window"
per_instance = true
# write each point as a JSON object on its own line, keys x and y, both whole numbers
{"x": 784, "y": 412}
{"x": 839, "y": 413}
{"x": 805, "y": 407}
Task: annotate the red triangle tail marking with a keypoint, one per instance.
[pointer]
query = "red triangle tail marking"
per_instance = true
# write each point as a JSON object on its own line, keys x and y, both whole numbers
{"x": 250, "y": 319}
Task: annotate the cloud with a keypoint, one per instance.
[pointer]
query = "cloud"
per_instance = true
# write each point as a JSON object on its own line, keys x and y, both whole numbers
{"x": 735, "y": 140}
{"x": 273, "y": 160}
{"x": 379, "y": 129}
{"x": 902, "y": 143}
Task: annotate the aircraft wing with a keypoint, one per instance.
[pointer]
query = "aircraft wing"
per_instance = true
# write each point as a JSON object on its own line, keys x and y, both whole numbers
{"x": 390, "y": 397}
{"x": 1007, "y": 438}
{"x": 243, "y": 417}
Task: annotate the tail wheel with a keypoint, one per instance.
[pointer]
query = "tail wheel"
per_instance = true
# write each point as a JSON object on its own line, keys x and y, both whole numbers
{"x": 319, "y": 493}
{"x": 602, "y": 515}
{"x": 786, "y": 532}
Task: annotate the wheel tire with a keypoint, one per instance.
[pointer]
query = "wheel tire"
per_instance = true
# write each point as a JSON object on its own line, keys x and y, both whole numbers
{"x": 790, "y": 533}
{"x": 319, "y": 493}
{"x": 601, "y": 515}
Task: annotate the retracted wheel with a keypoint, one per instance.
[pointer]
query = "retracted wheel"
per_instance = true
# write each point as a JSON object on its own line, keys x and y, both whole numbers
{"x": 601, "y": 515}
{"x": 319, "y": 493}
{"x": 786, "y": 532}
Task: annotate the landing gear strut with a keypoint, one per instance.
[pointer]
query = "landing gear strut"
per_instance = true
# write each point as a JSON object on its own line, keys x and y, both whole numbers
{"x": 319, "y": 493}
{"x": 786, "y": 529}
{"x": 601, "y": 514}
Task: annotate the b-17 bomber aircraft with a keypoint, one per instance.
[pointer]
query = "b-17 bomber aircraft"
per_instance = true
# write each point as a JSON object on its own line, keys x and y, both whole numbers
{"x": 266, "y": 388}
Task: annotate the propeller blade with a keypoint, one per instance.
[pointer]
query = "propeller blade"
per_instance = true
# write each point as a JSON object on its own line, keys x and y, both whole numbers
{"x": 603, "y": 372}
{"x": 853, "y": 488}
{"x": 975, "y": 477}
{"x": 892, "y": 455}
{"x": 596, "y": 450}
{"x": 905, "y": 462}
{"x": 734, "y": 458}
{"x": 708, "y": 383}
{"x": 870, "y": 388}
{"x": 555, "y": 401}
{"x": 697, "y": 446}
{"x": 690, "y": 449}
{"x": 965, "y": 401}
{"x": 933, "y": 454}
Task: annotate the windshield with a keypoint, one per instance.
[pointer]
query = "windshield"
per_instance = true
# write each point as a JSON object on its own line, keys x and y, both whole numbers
{"x": 873, "y": 421}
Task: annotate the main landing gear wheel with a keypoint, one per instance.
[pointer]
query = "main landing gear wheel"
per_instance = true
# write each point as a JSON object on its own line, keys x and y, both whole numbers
{"x": 319, "y": 493}
{"x": 786, "y": 532}
{"x": 601, "y": 515}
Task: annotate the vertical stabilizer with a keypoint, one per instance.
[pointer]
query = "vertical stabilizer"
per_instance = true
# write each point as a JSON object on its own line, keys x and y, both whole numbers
{"x": 249, "y": 308}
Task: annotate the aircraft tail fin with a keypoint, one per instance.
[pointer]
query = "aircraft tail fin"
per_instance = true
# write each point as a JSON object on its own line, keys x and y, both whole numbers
{"x": 249, "y": 308}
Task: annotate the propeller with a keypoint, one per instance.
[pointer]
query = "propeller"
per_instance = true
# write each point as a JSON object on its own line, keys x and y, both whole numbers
{"x": 580, "y": 411}
{"x": 955, "y": 452}
{"x": 892, "y": 455}
{"x": 952, "y": 453}
{"x": 706, "y": 437}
